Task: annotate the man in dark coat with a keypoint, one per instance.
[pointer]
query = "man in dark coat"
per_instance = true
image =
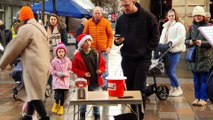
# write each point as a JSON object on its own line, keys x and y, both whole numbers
{"x": 139, "y": 35}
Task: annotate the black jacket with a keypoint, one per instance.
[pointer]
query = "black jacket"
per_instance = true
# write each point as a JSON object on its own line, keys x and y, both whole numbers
{"x": 140, "y": 32}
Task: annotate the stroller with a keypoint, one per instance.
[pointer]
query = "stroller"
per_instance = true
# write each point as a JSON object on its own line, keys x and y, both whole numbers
{"x": 16, "y": 74}
{"x": 156, "y": 68}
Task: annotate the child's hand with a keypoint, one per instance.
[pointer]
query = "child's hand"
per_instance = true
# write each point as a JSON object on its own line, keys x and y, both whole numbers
{"x": 87, "y": 74}
{"x": 98, "y": 72}
{"x": 59, "y": 74}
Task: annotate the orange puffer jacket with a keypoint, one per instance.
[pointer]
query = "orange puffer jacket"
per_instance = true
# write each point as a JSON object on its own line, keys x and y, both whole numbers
{"x": 101, "y": 33}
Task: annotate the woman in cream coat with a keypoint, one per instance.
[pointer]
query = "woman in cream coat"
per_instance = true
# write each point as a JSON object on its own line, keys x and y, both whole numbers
{"x": 173, "y": 34}
{"x": 31, "y": 43}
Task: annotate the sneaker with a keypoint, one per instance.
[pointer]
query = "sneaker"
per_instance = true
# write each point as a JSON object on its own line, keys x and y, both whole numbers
{"x": 178, "y": 91}
{"x": 195, "y": 102}
{"x": 202, "y": 102}
{"x": 172, "y": 89}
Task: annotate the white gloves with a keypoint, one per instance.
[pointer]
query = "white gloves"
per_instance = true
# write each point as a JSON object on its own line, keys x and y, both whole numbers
{"x": 60, "y": 74}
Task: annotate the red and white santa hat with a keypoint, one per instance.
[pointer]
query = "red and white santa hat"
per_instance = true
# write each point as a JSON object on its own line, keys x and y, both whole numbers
{"x": 82, "y": 38}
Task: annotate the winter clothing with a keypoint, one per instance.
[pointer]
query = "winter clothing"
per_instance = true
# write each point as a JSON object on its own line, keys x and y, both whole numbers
{"x": 32, "y": 44}
{"x": 198, "y": 10}
{"x": 173, "y": 33}
{"x": 82, "y": 38}
{"x": 61, "y": 70}
{"x": 141, "y": 36}
{"x": 57, "y": 34}
{"x": 61, "y": 46}
{"x": 176, "y": 34}
{"x": 101, "y": 33}
{"x": 204, "y": 53}
{"x": 79, "y": 67}
{"x": 203, "y": 60}
{"x": 26, "y": 13}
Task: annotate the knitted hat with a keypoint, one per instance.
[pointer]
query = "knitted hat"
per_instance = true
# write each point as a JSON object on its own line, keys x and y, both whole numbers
{"x": 198, "y": 10}
{"x": 26, "y": 13}
{"x": 60, "y": 46}
{"x": 82, "y": 38}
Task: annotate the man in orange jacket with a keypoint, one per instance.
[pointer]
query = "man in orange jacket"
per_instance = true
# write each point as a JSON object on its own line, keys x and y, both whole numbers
{"x": 101, "y": 31}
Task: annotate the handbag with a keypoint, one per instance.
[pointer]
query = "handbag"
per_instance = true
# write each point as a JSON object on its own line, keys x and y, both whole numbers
{"x": 190, "y": 55}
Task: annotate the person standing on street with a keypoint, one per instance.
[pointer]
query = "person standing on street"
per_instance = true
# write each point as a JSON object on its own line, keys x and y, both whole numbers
{"x": 61, "y": 70}
{"x": 80, "y": 29}
{"x": 57, "y": 33}
{"x": 203, "y": 57}
{"x": 89, "y": 64}
{"x": 173, "y": 35}
{"x": 31, "y": 43}
{"x": 101, "y": 31}
{"x": 138, "y": 32}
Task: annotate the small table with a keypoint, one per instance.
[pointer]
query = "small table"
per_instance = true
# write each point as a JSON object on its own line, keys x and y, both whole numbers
{"x": 102, "y": 98}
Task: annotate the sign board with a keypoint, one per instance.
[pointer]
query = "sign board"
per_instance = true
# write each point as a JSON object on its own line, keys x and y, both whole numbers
{"x": 207, "y": 32}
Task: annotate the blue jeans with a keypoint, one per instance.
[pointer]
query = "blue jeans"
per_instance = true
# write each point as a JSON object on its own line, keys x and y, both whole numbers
{"x": 173, "y": 60}
{"x": 200, "y": 85}
{"x": 106, "y": 73}
{"x": 96, "y": 110}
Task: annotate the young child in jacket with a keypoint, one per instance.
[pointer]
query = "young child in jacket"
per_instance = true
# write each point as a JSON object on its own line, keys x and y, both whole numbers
{"x": 60, "y": 70}
{"x": 89, "y": 64}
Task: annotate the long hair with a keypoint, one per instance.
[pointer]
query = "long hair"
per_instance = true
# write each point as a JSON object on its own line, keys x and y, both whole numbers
{"x": 176, "y": 15}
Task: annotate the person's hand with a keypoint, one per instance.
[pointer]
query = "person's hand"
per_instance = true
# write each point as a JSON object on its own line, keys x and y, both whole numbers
{"x": 59, "y": 74}
{"x": 87, "y": 74}
{"x": 65, "y": 74}
{"x": 169, "y": 44}
{"x": 98, "y": 72}
{"x": 197, "y": 42}
{"x": 191, "y": 42}
{"x": 108, "y": 50}
{"x": 119, "y": 40}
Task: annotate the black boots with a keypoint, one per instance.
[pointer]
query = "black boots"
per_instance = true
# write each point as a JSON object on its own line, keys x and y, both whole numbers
{"x": 45, "y": 118}
{"x": 26, "y": 117}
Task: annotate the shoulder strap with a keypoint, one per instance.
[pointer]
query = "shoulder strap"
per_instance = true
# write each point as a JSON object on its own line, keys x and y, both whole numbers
{"x": 37, "y": 27}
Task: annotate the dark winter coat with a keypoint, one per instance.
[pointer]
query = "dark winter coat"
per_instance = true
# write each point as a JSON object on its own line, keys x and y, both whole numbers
{"x": 203, "y": 59}
{"x": 140, "y": 32}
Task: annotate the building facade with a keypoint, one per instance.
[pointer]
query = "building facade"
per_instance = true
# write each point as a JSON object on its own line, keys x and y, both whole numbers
{"x": 9, "y": 10}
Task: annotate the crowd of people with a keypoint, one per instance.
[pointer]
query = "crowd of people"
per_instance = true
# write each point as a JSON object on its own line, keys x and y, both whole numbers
{"x": 43, "y": 51}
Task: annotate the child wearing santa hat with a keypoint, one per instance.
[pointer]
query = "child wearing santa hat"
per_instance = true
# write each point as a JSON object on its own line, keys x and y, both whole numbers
{"x": 89, "y": 64}
{"x": 61, "y": 71}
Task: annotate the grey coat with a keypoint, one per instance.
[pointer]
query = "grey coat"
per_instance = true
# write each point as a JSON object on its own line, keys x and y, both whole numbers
{"x": 31, "y": 44}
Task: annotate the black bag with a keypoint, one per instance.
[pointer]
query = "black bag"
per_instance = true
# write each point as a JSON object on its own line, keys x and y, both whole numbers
{"x": 190, "y": 55}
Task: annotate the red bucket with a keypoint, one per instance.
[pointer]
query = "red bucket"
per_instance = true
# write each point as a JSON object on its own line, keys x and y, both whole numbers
{"x": 116, "y": 85}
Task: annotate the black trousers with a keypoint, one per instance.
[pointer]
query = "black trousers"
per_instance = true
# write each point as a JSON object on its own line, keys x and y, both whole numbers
{"x": 136, "y": 73}
{"x": 38, "y": 106}
{"x": 60, "y": 96}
